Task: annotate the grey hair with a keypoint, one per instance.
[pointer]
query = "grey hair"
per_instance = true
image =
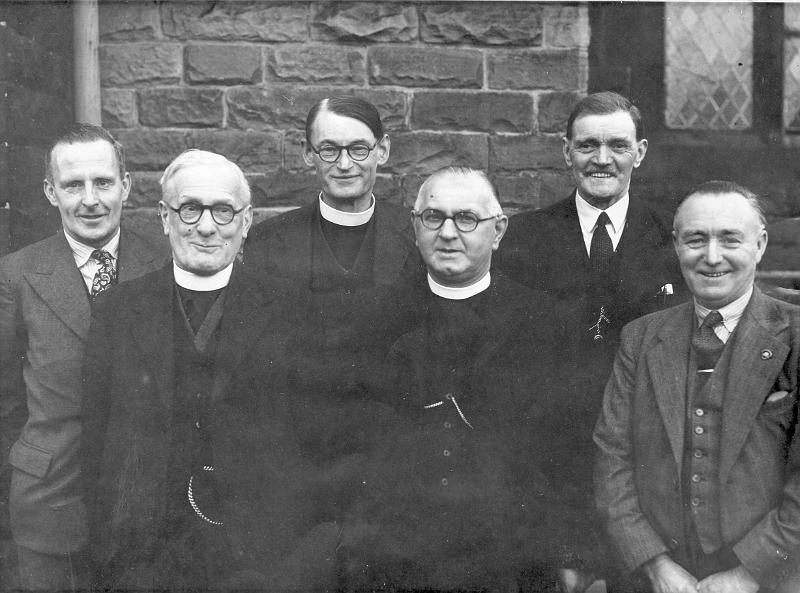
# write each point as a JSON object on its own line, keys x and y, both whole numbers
{"x": 196, "y": 157}
{"x": 475, "y": 175}
{"x": 716, "y": 187}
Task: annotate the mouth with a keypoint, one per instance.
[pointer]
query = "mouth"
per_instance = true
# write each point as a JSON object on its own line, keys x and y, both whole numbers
{"x": 92, "y": 217}
{"x": 600, "y": 175}
{"x": 205, "y": 248}
{"x": 713, "y": 274}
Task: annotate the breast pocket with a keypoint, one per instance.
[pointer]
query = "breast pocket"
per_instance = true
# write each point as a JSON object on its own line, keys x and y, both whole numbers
{"x": 30, "y": 459}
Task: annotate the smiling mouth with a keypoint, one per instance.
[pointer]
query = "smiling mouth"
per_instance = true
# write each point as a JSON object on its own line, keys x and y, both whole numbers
{"x": 601, "y": 174}
{"x": 713, "y": 274}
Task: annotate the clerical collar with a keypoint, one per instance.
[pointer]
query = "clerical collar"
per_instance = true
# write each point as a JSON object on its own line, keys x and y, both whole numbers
{"x": 346, "y": 218}
{"x": 191, "y": 281}
{"x": 82, "y": 252}
{"x": 731, "y": 313}
{"x": 587, "y": 213}
{"x": 462, "y": 292}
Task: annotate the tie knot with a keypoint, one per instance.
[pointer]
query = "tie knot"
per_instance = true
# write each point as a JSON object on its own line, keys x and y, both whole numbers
{"x": 101, "y": 256}
{"x": 712, "y": 320}
{"x": 602, "y": 220}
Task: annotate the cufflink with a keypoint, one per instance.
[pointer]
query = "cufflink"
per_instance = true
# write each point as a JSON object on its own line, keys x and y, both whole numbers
{"x": 766, "y": 354}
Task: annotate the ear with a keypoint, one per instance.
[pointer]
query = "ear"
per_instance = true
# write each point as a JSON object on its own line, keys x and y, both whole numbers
{"x": 383, "y": 148}
{"x": 414, "y": 226}
{"x": 163, "y": 214}
{"x": 50, "y": 191}
{"x": 500, "y": 228}
{"x": 675, "y": 239}
{"x": 308, "y": 154}
{"x": 565, "y": 151}
{"x": 641, "y": 150}
{"x": 761, "y": 244}
{"x": 247, "y": 220}
{"x": 126, "y": 186}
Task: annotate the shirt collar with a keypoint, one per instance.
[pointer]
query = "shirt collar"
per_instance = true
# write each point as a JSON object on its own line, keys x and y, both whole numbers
{"x": 731, "y": 313}
{"x": 191, "y": 281}
{"x": 82, "y": 252}
{"x": 587, "y": 214}
{"x": 462, "y": 292}
{"x": 335, "y": 216}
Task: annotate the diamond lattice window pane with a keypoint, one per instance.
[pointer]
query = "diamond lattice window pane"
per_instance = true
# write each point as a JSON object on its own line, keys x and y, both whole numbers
{"x": 709, "y": 66}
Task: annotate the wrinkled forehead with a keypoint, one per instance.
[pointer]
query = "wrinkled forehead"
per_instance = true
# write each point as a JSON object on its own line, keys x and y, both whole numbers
{"x": 206, "y": 183}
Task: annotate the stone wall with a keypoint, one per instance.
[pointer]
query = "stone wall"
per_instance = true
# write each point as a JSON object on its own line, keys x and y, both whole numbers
{"x": 484, "y": 84}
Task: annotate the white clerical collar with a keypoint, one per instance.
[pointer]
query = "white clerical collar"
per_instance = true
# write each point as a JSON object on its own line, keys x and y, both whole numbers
{"x": 346, "y": 218}
{"x": 587, "y": 214}
{"x": 731, "y": 313}
{"x": 462, "y": 292}
{"x": 82, "y": 252}
{"x": 191, "y": 281}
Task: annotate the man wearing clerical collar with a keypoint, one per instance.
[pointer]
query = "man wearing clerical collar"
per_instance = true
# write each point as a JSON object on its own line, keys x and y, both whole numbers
{"x": 47, "y": 291}
{"x": 457, "y": 499}
{"x": 184, "y": 391}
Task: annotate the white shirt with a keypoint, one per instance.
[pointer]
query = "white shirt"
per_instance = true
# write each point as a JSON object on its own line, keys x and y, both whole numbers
{"x": 87, "y": 265}
{"x": 192, "y": 281}
{"x": 587, "y": 215}
{"x": 346, "y": 218}
{"x": 731, "y": 314}
{"x": 462, "y": 292}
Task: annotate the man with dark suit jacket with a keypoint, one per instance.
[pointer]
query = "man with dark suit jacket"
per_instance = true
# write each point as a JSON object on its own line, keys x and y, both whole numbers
{"x": 46, "y": 292}
{"x": 698, "y": 468}
{"x": 455, "y": 499}
{"x": 188, "y": 439}
{"x": 346, "y": 243}
{"x": 604, "y": 255}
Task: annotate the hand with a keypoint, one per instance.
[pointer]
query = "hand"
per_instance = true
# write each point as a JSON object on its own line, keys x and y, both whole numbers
{"x": 667, "y": 576}
{"x": 574, "y": 580}
{"x": 735, "y": 580}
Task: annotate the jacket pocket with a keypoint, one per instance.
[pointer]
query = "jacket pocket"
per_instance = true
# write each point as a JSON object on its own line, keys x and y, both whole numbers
{"x": 30, "y": 459}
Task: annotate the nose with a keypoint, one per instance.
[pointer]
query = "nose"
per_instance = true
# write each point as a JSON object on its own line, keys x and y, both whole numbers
{"x": 89, "y": 197}
{"x": 344, "y": 161}
{"x": 448, "y": 229}
{"x": 602, "y": 155}
{"x": 713, "y": 255}
{"x": 206, "y": 224}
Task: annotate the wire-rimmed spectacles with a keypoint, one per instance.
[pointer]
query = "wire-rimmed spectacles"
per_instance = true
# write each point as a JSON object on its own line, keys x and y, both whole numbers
{"x": 191, "y": 212}
{"x": 465, "y": 221}
{"x": 330, "y": 153}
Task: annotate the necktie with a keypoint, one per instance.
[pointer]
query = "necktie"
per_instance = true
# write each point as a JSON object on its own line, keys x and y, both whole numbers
{"x": 707, "y": 345}
{"x": 601, "y": 250}
{"x": 106, "y": 275}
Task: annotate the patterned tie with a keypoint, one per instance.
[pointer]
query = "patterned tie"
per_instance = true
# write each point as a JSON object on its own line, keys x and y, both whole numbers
{"x": 106, "y": 275}
{"x": 601, "y": 250}
{"x": 707, "y": 345}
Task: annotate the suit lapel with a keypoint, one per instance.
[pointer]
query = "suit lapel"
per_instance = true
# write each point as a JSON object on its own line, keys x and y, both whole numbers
{"x": 667, "y": 363}
{"x": 59, "y": 284}
{"x": 392, "y": 244}
{"x": 152, "y": 328}
{"x": 751, "y": 375}
{"x": 574, "y": 249}
{"x": 637, "y": 233}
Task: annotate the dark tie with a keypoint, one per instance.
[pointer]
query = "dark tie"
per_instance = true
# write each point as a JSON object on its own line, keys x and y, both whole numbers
{"x": 601, "y": 250}
{"x": 106, "y": 275}
{"x": 707, "y": 345}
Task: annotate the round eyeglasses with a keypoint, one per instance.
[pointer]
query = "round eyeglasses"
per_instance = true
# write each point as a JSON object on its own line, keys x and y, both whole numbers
{"x": 191, "y": 212}
{"x": 465, "y": 221}
{"x": 330, "y": 153}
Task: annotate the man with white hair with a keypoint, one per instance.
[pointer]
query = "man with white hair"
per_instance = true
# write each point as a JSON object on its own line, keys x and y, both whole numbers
{"x": 458, "y": 496}
{"x": 184, "y": 395}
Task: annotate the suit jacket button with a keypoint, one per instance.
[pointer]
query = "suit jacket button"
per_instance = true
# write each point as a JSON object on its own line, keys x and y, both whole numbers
{"x": 766, "y": 354}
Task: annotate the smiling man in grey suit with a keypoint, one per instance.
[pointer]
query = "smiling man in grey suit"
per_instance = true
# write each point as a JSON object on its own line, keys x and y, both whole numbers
{"x": 698, "y": 469}
{"x": 46, "y": 292}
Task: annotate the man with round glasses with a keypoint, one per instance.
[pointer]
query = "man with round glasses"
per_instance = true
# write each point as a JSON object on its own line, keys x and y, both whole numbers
{"x": 184, "y": 398}
{"x": 456, "y": 499}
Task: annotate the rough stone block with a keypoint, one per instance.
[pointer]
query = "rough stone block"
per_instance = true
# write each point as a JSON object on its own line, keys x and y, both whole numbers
{"x": 426, "y": 67}
{"x": 293, "y": 152}
{"x": 555, "y": 185}
{"x": 364, "y": 21}
{"x": 284, "y": 107}
{"x": 186, "y": 107}
{"x": 554, "y": 109}
{"x": 524, "y": 153}
{"x": 129, "y": 21}
{"x": 118, "y": 108}
{"x": 150, "y": 150}
{"x": 566, "y": 26}
{"x": 145, "y": 189}
{"x": 236, "y": 21}
{"x": 283, "y": 189}
{"x": 517, "y": 190}
{"x": 310, "y": 64}
{"x": 421, "y": 153}
{"x": 488, "y": 23}
{"x": 474, "y": 112}
{"x": 535, "y": 69}
{"x": 140, "y": 63}
{"x": 254, "y": 152}
{"x": 222, "y": 64}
